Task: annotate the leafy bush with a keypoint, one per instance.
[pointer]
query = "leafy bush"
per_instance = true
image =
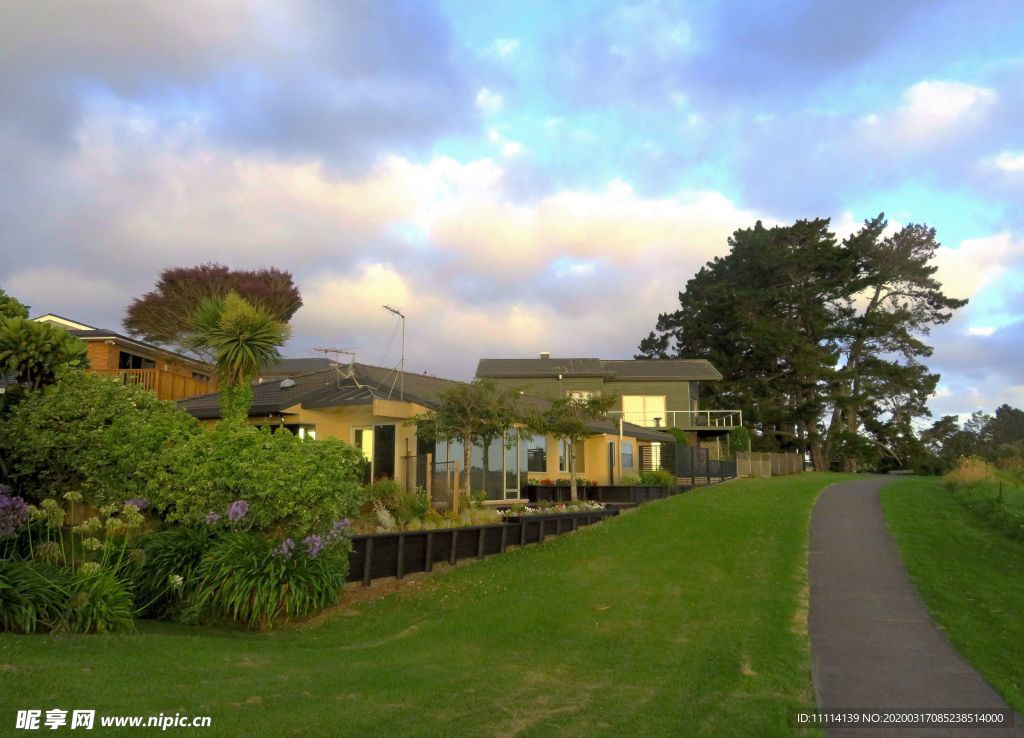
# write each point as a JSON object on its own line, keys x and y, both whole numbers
{"x": 92, "y": 434}
{"x": 99, "y": 603}
{"x": 680, "y": 435}
{"x": 33, "y": 596}
{"x": 970, "y": 471}
{"x": 36, "y": 352}
{"x": 631, "y": 480}
{"x": 249, "y": 578}
{"x": 165, "y": 578}
{"x": 739, "y": 440}
{"x": 289, "y": 483}
{"x": 659, "y": 478}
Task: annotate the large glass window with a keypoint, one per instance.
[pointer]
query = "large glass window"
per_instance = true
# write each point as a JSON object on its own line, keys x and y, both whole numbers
{"x": 645, "y": 410}
{"x": 537, "y": 454}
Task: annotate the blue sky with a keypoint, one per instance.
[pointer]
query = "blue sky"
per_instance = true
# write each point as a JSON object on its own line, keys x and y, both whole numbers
{"x": 499, "y": 170}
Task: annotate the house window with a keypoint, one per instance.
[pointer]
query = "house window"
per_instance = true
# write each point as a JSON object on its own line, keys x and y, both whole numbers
{"x": 201, "y": 377}
{"x": 126, "y": 360}
{"x": 537, "y": 454}
{"x": 627, "y": 455}
{"x": 645, "y": 410}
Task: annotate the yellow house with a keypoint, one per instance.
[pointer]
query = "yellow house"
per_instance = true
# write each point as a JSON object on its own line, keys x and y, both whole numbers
{"x": 370, "y": 408}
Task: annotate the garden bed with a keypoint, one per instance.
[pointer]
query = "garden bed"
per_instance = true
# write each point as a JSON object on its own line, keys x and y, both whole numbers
{"x": 637, "y": 494}
{"x": 379, "y": 555}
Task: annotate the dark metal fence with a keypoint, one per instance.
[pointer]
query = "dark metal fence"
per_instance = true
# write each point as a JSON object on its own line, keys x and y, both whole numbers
{"x": 379, "y": 555}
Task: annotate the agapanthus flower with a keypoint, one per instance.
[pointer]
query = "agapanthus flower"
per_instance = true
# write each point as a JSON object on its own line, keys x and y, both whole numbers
{"x": 138, "y": 503}
{"x": 175, "y": 581}
{"x": 314, "y": 545}
{"x": 285, "y": 549}
{"x": 49, "y": 552}
{"x": 88, "y": 568}
{"x": 238, "y": 510}
{"x": 91, "y": 544}
{"x": 339, "y": 529}
{"x": 13, "y": 512}
{"x": 73, "y": 496}
{"x": 212, "y": 518}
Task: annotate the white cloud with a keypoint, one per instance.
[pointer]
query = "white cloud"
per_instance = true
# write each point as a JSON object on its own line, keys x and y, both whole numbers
{"x": 489, "y": 101}
{"x": 505, "y": 47}
{"x": 977, "y": 262}
{"x": 1010, "y": 162}
{"x": 980, "y": 330}
{"x": 932, "y": 107}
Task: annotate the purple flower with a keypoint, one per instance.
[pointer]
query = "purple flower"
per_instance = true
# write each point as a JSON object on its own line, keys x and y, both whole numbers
{"x": 13, "y": 512}
{"x": 314, "y": 545}
{"x": 285, "y": 549}
{"x": 237, "y": 510}
{"x": 138, "y": 503}
{"x": 212, "y": 518}
{"x": 339, "y": 529}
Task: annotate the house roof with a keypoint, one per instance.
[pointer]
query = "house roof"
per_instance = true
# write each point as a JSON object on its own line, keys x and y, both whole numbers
{"x": 91, "y": 333}
{"x": 339, "y": 385}
{"x": 608, "y": 369}
{"x": 291, "y": 367}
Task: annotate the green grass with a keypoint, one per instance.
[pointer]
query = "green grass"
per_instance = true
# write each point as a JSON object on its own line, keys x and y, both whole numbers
{"x": 968, "y": 571}
{"x": 684, "y": 617}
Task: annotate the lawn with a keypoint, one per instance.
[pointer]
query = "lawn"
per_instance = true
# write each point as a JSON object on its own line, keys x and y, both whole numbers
{"x": 968, "y": 572}
{"x": 684, "y": 617}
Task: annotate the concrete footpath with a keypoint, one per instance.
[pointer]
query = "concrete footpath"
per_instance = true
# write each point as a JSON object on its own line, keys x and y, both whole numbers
{"x": 873, "y": 644}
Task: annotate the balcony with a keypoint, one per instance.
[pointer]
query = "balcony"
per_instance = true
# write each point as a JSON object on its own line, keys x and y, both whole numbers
{"x": 165, "y": 385}
{"x": 691, "y": 420}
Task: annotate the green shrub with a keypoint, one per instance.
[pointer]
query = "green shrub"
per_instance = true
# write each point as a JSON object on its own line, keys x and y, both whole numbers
{"x": 409, "y": 506}
{"x": 739, "y": 440}
{"x": 251, "y": 579}
{"x": 679, "y": 434}
{"x": 289, "y": 483}
{"x": 168, "y": 554}
{"x": 33, "y": 596}
{"x": 659, "y": 478}
{"x": 631, "y": 480}
{"x": 99, "y": 603}
{"x": 92, "y": 434}
{"x": 383, "y": 489}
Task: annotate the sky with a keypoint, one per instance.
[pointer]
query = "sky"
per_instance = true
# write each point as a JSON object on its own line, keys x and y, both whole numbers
{"x": 516, "y": 177}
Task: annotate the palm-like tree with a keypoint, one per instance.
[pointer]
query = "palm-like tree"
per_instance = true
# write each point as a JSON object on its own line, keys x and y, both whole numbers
{"x": 243, "y": 339}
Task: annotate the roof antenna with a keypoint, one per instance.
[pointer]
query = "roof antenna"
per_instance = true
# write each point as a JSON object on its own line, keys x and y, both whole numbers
{"x": 337, "y": 352}
{"x": 401, "y": 363}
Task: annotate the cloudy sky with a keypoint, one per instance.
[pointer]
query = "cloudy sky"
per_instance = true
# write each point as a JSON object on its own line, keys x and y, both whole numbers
{"x": 517, "y": 177}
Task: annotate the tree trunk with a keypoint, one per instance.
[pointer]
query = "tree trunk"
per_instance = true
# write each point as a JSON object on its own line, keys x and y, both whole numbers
{"x": 571, "y": 452}
{"x": 467, "y": 467}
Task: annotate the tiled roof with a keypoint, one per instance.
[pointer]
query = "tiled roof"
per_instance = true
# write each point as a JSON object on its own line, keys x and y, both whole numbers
{"x": 338, "y": 385}
{"x": 609, "y": 369}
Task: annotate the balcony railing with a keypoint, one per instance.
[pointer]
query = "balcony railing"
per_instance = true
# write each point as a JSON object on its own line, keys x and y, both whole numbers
{"x": 685, "y": 419}
{"x": 165, "y": 385}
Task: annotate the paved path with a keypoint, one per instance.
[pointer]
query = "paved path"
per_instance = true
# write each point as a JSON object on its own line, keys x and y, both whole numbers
{"x": 873, "y": 644}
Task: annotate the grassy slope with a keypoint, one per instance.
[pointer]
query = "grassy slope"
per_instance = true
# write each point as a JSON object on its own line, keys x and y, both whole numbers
{"x": 968, "y": 574}
{"x": 684, "y": 617}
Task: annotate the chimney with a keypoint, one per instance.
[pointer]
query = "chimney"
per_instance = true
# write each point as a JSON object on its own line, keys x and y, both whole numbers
{"x": 545, "y": 354}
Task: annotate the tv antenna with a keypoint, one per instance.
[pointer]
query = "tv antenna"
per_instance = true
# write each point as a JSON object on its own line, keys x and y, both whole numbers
{"x": 337, "y": 354}
{"x": 401, "y": 362}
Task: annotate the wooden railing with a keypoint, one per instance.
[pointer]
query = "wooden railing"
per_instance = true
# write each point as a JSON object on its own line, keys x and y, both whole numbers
{"x": 165, "y": 385}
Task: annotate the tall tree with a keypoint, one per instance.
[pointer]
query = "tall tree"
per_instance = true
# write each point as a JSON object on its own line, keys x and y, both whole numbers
{"x": 164, "y": 315}
{"x": 883, "y": 347}
{"x": 568, "y": 419}
{"x": 243, "y": 339}
{"x": 804, "y": 327}
{"x": 469, "y": 413}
